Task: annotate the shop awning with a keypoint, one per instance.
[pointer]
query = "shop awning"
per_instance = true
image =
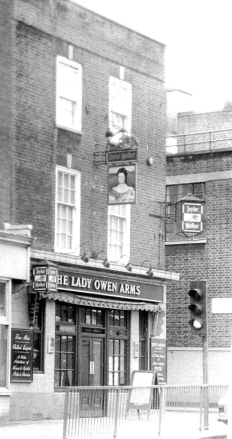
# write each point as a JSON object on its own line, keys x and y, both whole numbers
{"x": 102, "y": 303}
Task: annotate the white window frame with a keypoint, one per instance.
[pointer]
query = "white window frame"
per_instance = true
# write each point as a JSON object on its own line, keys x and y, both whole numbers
{"x": 69, "y": 93}
{"x": 124, "y": 258}
{"x": 75, "y": 249}
{"x": 5, "y": 321}
{"x": 120, "y": 102}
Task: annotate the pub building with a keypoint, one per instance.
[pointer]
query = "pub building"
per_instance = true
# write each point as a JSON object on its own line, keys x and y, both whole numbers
{"x": 103, "y": 321}
{"x": 93, "y": 326}
{"x": 84, "y": 165}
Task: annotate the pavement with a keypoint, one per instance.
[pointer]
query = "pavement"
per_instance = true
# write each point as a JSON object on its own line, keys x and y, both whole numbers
{"x": 32, "y": 430}
{"x": 179, "y": 426}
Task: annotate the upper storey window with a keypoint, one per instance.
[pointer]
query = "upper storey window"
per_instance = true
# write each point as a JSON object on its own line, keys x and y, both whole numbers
{"x": 120, "y": 105}
{"x": 67, "y": 236}
{"x": 69, "y": 94}
{"x": 119, "y": 232}
{"x": 4, "y": 332}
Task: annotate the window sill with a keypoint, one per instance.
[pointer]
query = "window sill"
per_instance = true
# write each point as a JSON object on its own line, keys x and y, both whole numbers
{"x": 189, "y": 241}
{"x": 60, "y": 389}
{"x": 72, "y": 130}
{"x": 4, "y": 391}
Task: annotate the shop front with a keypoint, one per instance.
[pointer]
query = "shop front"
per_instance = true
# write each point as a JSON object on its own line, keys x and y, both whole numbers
{"x": 15, "y": 243}
{"x": 91, "y": 327}
{"x": 98, "y": 319}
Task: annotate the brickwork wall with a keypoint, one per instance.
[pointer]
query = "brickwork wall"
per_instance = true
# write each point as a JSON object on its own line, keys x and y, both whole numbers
{"x": 212, "y": 260}
{"x": 5, "y": 111}
{"x": 42, "y": 33}
{"x": 185, "y": 366}
{"x": 38, "y": 31}
{"x": 199, "y": 122}
{"x": 199, "y": 163}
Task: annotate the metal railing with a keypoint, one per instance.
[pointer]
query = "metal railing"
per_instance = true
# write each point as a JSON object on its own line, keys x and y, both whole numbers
{"x": 153, "y": 411}
{"x": 199, "y": 141}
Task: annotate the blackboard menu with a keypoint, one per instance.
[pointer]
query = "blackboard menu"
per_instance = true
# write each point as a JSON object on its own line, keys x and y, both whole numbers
{"x": 140, "y": 397}
{"x": 159, "y": 359}
{"x": 21, "y": 355}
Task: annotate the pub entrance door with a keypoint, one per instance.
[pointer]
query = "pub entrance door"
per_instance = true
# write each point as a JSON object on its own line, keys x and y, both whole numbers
{"x": 92, "y": 361}
{"x": 92, "y": 373}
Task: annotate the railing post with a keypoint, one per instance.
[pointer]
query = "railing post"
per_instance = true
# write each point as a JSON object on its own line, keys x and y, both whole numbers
{"x": 116, "y": 414}
{"x": 161, "y": 409}
{"x": 201, "y": 408}
{"x": 206, "y": 407}
{"x": 65, "y": 414}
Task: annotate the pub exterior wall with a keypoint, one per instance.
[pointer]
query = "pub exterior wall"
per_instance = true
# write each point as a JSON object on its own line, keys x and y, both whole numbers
{"x": 33, "y": 146}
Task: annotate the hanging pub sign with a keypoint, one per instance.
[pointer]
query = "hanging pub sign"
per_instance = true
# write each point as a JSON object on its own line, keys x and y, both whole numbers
{"x": 126, "y": 155}
{"x": 122, "y": 184}
{"x": 192, "y": 215}
{"x": 45, "y": 275}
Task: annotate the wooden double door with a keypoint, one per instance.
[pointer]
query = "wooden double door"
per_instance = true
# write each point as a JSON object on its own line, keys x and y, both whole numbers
{"x": 92, "y": 374}
{"x": 92, "y": 361}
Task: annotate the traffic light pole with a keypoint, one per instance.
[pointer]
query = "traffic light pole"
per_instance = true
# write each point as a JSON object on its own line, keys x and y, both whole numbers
{"x": 205, "y": 381}
{"x": 198, "y": 323}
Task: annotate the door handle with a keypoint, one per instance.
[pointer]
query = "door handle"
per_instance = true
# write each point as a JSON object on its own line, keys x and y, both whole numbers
{"x": 91, "y": 367}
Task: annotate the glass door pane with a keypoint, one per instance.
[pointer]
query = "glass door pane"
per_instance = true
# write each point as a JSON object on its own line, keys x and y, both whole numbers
{"x": 98, "y": 362}
{"x": 85, "y": 363}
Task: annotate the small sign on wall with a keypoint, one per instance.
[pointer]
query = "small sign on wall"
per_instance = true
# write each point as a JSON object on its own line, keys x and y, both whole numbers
{"x": 50, "y": 344}
{"x": 159, "y": 358}
{"x": 221, "y": 305}
{"x": 21, "y": 355}
{"x": 135, "y": 349}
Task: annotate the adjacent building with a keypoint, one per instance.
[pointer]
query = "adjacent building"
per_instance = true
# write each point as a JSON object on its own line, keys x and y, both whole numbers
{"x": 199, "y": 162}
{"x": 83, "y": 123}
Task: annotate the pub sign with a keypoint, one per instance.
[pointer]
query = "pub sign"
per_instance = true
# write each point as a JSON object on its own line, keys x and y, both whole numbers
{"x": 192, "y": 217}
{"x": 192, "y": 210}
{"x": 45, "y": 277}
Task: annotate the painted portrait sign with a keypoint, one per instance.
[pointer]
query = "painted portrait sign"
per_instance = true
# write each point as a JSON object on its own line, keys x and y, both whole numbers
{"x": 122, "y": 184}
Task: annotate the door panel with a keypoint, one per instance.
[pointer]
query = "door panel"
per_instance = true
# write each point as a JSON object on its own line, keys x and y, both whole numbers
{"x": 92, "y": 403}
{"x": 85, "y": 364}
{"x": 98, "y": 362}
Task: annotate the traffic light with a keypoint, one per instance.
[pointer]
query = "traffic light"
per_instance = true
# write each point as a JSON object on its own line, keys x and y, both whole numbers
{"x": 197, "y": 307}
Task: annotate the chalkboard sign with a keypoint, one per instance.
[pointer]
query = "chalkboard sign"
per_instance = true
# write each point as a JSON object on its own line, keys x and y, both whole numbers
{"x": 21, "y": 355}
{"x": 159, "y": 359}
{"x": 140, "y": 397}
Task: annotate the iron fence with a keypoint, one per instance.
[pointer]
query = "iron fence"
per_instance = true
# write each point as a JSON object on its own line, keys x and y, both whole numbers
{"x": 199, "y": 141}
{"x": 153, "y": 411}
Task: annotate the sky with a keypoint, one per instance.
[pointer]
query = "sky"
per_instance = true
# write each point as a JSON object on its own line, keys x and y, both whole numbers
{"x": 198, "y": 39}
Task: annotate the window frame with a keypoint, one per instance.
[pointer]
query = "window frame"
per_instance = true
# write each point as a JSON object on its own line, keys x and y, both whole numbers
{"x": 40, "y": 330}
{"x": 75, "y": 330}
{"x": 126, "y": 233}
{"x": 117, "y": 107}
{"x": 76, "y": 126}
{"x": 118, "y": 333}
{"x": 143, "y": 340}
{"x": 75, "y": 248}
{"x": 6, "y": 321}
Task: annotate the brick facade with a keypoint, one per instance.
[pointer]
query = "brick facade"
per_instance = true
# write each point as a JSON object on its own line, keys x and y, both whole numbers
{"x": 33, "y": 146}
{"x": 99, "y": 46}
{"x": 210, "y": 259}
